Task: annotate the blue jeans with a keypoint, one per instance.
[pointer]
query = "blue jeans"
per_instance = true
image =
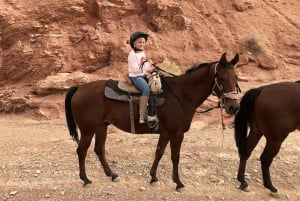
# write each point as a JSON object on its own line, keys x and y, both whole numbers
{"x": 141, "y": 83}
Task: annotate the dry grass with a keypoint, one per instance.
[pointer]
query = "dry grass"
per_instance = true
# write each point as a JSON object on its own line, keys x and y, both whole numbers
{"x": 170, "y": 67}
{"x": 255, "y": 43}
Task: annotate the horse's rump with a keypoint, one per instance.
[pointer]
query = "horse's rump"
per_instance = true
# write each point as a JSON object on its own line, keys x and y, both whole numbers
{"x": 272, "y": 111}
{"x": 270, "y": 108}
{"x": 243, "y": 117}
{"x": 279, "y": 102}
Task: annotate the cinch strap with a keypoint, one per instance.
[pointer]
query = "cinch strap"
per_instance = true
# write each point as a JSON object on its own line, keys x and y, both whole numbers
{"x": 131, "y": 115}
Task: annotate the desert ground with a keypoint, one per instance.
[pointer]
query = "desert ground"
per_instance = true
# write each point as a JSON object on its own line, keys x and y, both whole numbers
{"x": 39, "y": 162}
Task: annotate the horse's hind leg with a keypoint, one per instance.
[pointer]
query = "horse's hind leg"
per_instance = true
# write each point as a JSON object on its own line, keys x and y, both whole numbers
{"x": 160, "y": 149}
{"x": 101, "y": 133}
{"x": 270, "y": 151}
{"x": 84, "y": 143}
{"x": 252, "y": 140}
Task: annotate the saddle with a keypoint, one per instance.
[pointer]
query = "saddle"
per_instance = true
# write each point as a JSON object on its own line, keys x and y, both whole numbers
{"x": 124, "y": 91}
{"x": 127, "y": 92}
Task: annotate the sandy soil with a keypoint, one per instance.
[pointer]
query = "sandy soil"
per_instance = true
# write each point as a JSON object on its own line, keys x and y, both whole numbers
{"x": 39, "y": 162}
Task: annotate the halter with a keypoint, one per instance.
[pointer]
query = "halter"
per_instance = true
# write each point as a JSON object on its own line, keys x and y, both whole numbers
{"x": 230, "y": 95}
{"x": 233, "y": 95}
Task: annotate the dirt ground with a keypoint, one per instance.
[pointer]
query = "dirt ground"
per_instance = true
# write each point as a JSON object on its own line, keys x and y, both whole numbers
{"x": 39, "y": 162}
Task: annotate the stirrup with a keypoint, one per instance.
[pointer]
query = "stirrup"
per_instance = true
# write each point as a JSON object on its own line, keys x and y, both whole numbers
{"x": 151, "y": 118}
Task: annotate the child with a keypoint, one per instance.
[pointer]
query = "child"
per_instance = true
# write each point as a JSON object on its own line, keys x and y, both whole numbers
{"x": 137, "y": 72}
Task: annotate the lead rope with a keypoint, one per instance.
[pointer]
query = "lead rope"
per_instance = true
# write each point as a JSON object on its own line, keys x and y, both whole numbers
{"x": 221, "y": 106}
{"x": 222, "y": 116}
{"x": 223, "y": 125}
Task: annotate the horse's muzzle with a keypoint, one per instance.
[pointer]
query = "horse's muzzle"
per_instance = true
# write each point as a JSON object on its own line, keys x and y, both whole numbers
{"x": 232, "y": 108}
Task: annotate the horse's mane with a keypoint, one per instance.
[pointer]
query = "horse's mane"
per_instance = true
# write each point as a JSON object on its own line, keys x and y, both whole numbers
{"x": 190, "y": 70}
{"x": 196, "y": 67}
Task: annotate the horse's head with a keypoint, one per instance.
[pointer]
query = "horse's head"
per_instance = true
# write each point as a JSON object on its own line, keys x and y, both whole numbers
{"x": 226, "y": 86}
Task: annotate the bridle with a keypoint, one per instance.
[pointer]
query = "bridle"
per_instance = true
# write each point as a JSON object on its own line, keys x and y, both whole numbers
{"x": 233, "y": 95}
{"x": 221, "y": 103}
{"x": 230, "y": 95}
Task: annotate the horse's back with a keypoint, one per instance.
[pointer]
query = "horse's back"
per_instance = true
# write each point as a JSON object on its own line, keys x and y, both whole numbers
{"x": 286, "y": 93}
{"x": 89, "y": 92}
{"x": 278, "y": 105}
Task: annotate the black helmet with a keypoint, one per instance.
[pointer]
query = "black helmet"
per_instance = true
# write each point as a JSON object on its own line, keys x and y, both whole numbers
{"x": 136, "y": 35}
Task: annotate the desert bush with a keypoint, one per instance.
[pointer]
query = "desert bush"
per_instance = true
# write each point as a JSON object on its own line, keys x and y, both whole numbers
{"x": 255, "y": 42}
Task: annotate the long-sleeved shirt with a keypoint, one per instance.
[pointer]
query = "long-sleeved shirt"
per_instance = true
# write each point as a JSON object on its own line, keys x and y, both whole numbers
{"x": 135, "y": 60}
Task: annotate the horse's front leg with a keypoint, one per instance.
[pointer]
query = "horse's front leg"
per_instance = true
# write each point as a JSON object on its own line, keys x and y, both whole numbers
{"x": 175, "y": 142}
{"x": 160, "y": 149}
{"x": 101, "y": 133}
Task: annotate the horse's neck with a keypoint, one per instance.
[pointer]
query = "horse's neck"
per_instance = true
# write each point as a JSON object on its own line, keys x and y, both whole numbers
{"x": 195, "y": 87}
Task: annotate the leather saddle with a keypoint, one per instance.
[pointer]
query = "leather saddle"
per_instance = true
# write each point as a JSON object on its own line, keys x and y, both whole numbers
{"x": 124, "y": 91}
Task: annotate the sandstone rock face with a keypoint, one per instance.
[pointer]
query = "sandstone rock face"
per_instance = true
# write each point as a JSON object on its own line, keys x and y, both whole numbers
{"x": 41, "y": 40}
{"x": 267, "y": 62}
{"x": 243, "y": 5}
{"x": 62, "y": 82}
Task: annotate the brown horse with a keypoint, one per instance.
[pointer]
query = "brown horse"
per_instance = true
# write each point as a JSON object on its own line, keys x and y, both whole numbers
{"x": 93, "y": 112}
{"x": 273, "y": 111}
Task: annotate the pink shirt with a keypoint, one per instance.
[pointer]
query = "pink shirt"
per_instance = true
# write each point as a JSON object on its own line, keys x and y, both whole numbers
{"x": 135, "y": 60}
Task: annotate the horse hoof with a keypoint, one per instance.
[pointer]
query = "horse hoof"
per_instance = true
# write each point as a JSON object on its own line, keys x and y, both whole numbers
{"x": 246, "y": 189}
{"x": 276, "y": 195}
{"x": 180, "y": 189}
{"x": 87, "y": 185}
{"x": 154, "y": 183}
{"x": 116, "y": 179}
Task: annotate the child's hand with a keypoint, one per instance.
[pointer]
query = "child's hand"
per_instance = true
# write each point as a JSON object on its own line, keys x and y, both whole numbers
{"x": 148, "y": 68}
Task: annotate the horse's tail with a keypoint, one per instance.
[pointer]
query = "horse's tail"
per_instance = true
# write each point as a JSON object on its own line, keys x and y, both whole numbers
{"x": 242, "y": 118}
{"x": 69, "y": 115}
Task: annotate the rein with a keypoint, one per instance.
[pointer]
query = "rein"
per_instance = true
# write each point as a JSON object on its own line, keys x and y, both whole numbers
{"x": 190, "y": 107}
{"x": 221, "y": 102}
{"x": 158, "y": 68}
{"x": 209, "y": 109}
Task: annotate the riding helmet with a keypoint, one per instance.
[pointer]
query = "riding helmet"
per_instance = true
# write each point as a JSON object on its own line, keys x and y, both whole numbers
{"x": 136, "y": 35}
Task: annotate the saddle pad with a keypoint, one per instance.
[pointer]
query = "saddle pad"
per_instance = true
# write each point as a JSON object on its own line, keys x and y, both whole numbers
{"x": 112, "y": 91}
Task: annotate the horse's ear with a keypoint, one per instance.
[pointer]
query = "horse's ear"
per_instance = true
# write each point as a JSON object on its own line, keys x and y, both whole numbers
{"x": 223, "y": 60}
{"x": 235, "y": 59}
